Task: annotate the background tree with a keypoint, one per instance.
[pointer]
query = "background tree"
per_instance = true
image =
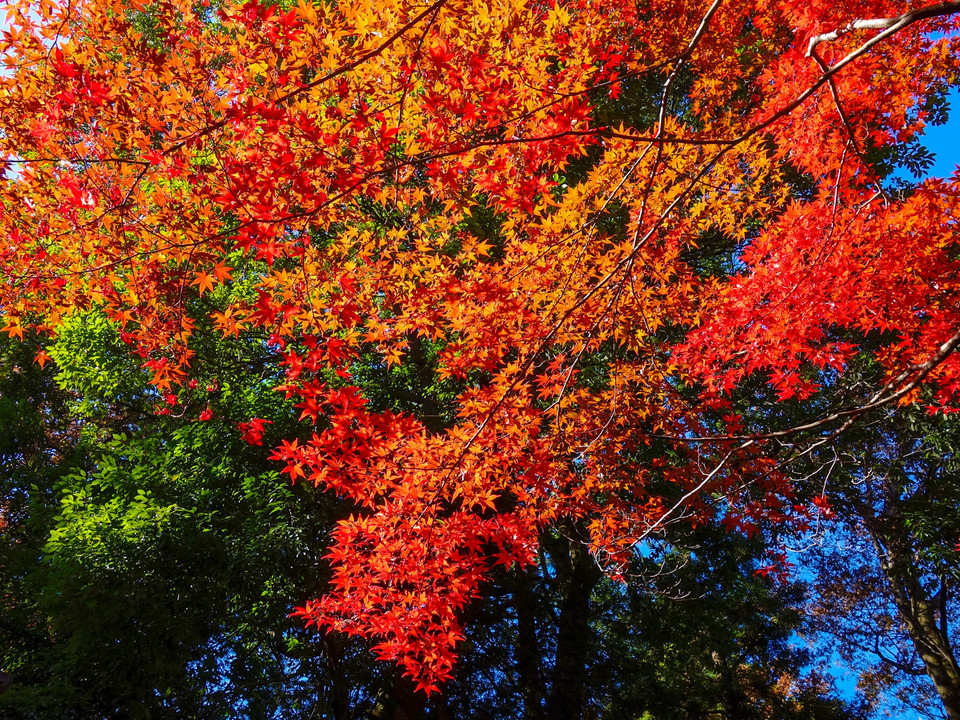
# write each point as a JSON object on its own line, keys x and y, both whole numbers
{"x": 151, "y": 561}
{"x": 890, "y": 570}
{"x": 695, "y": 633}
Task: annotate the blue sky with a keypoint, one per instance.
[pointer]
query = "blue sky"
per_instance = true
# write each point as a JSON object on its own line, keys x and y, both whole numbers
{"x": 944, "y": 141}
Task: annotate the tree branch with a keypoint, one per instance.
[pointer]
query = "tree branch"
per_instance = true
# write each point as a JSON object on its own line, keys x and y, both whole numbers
{"x": 893, "y": 24}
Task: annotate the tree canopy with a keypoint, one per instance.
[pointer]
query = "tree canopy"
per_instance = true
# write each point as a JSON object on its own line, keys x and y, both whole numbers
{"x": 527, "y": 271}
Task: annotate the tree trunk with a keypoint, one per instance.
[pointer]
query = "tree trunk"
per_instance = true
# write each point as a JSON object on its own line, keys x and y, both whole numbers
{"x": 573, "y": 635}
{"x": 529, "y": 652}
{"x": 918, "y": 610}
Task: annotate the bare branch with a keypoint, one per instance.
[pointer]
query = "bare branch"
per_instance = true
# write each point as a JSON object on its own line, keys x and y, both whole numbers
{"x": 893, "y": 24}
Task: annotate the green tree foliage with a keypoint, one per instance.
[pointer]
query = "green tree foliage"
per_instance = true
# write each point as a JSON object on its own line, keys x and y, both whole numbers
{"x": 151, "y": 561}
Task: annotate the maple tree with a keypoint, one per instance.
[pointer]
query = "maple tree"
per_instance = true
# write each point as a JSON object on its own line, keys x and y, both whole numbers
{"x": 434, "y": 189}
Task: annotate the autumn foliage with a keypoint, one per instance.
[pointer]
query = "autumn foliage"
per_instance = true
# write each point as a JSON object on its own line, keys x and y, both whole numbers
{"x": 373, "y": 178}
